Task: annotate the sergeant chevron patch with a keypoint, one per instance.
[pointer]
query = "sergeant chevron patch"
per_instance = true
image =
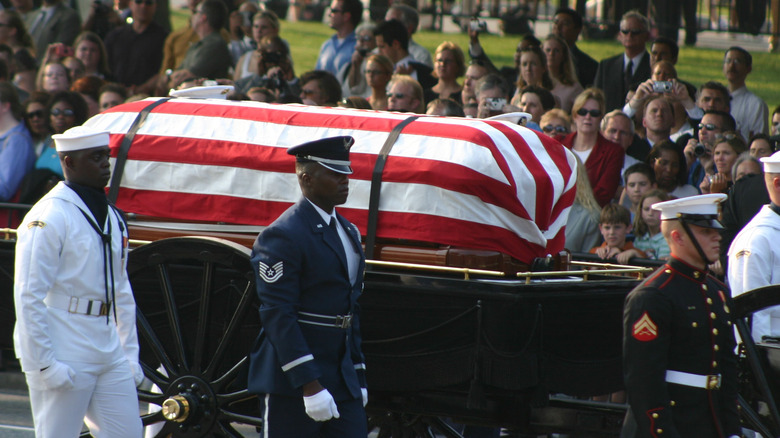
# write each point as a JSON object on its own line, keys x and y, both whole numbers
{"x": 270, "y": 274}
{"x": 645, "y": 329}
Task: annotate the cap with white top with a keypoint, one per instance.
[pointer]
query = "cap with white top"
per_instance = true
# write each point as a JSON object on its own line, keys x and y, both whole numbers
{"x": 79, "y": 138}
{"x": 208, "y": 92}
{"x": 772, "y": 163}
{"x": 701, "y": 210}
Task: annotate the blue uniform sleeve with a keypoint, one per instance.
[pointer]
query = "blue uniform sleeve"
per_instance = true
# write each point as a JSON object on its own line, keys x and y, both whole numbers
{"x": 277, "y": 262}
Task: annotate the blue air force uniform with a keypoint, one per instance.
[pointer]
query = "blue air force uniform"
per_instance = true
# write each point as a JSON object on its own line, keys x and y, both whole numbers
{"x": 309, "y": 277}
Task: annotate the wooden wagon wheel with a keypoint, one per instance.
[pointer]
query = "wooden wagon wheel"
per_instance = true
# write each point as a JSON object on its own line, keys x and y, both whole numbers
{"x": 197, "y": 319}
{"x": 756, "y": 372}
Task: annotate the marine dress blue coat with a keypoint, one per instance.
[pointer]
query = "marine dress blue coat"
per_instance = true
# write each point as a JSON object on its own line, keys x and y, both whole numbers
{"x": 300, "y": 266}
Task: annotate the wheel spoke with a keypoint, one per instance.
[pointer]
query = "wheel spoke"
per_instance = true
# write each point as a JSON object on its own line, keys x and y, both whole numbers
{"x": 235, "y": 397}
{"x": 230, "y": 334}
{"x": 173, "y": 314}
{"x": 229, "y": 376}
{"x": 240, "y": 418}
{"x": 158, "y": 350}
{"x": 203, "y": 314}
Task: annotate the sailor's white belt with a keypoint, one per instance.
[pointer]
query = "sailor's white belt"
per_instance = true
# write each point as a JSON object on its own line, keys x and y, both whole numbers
{"x": 337, "y": 321}
{"x": 77, "y": 305}
{"x": 707, "y": 381}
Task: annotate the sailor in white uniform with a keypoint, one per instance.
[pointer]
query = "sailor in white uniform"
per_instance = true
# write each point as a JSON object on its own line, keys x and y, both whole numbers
{"x": 75, "y": 328}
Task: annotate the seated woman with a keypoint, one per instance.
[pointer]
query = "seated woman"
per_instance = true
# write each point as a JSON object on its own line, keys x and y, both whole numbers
{"x": 274, "y": 71}
{"x": 555, "y": 122}
{"x": 668, "y": 163}
{"x": 725, "y": 154}
{"x": 264, "y": 24}
{"x": 533, "y": 69}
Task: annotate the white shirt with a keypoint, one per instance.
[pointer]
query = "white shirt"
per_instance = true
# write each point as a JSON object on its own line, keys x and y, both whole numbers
{"x": 353, "y": 258}
{"x": 750, "y": 112}
{"x": 754, "y": 261}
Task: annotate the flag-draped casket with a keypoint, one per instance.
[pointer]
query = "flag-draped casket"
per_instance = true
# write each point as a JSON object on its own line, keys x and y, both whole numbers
{"x": 467, "y": 183}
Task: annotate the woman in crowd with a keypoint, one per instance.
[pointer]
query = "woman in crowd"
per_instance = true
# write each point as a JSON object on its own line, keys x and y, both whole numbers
{"x": 89, "y": 49}
{"x": 760, "y": 146}
{"x": 274, "y": 71}
{"x": 111, "y": 95}
{"x": 562, "y": 72}
{"x": 379, "y": 70}
{"x": 603, "y": 159}
{"x": 745, "y": 165}
{"x": 13, "y": 32}
{"x": 264, "y": 24}
{"x": 536, "y": 101}
{"x": 647, "y": 226}
{"x": 555, "y": 123}
{"x": 37, "y": 120}
{"x": 53, "y": 78}
{"x": 17, "y": 155}
{"x": 449, "y": 65}
{"x": 725, "y": 153}
{"x": 668, "y": 163}
{"x": 89, "y": 88}
{"x": 533, "y": 69}
{"x": 582, "y": 228}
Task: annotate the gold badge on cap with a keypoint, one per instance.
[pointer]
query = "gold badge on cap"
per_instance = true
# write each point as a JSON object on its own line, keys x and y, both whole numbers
{"x": 33, "y": 224}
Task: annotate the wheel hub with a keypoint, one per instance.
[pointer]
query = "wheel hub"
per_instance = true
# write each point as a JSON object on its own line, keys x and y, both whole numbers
{"x": 191, "y": 404}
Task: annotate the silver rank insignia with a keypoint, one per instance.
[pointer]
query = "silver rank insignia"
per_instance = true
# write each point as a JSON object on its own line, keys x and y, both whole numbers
{"x": 270, "y": 274}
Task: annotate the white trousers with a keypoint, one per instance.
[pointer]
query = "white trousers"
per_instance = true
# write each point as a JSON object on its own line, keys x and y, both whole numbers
{"x": 104, "y": 397}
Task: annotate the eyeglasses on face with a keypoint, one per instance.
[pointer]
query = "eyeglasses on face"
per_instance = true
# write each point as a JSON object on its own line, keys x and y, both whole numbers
{"x": 149, "y": 3}
{"x": 306, "y": 92}
{"x": 633, "y": 32}
{"x": 395, "y": 95}
{"x": 376, "y": 72}
{"x": 38, "y": 114}
{"x": 556, "y": 128}
{"x": 593, "y": 113}
{"x": 709, "y": 126}
{"x": 365, "y": 39}
{"x": 60, "y": 112}
{"x": 336, "y": 11}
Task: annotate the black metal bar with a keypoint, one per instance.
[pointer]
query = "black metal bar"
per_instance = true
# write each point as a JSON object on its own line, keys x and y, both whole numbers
{"x": 761, "y": 382}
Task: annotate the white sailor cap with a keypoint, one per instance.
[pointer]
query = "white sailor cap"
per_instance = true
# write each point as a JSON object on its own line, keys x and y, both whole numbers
{"x": 80, "y": 137}
{"x": 772, "y": 163}
{"x": 516, "y": 118}
{"x": 210, "y": 92}
{"x": 701, "y": 210}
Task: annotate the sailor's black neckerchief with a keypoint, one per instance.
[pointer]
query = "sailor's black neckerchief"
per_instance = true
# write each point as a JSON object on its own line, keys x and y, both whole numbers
{"x": 98, "y": 205}
{"x": 774, "y": 207}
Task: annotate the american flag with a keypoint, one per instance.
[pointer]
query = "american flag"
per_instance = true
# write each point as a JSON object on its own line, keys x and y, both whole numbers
{"x": 466, "y": 183}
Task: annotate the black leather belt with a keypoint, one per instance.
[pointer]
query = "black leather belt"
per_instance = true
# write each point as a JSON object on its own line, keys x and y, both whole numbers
{"x": 337, "y": 321}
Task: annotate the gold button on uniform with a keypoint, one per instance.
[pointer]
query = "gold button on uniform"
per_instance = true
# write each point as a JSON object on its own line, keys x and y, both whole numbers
{"x": 713, "y": 315}
{"x": 668, "y": 271}
{"x": 655, "y": 414}
{"x": 697, "y": 274}
{"x": 703, "y": 287}
{"x": 714, "y": 363}
{"x": 694, "y": 324}
{"x": 715, "y": 347}
{"x": 672, "y": 402}
{"x": 715, "y": 332}
{"x": 709, "y": 301}
{"x": 659, "y": 431}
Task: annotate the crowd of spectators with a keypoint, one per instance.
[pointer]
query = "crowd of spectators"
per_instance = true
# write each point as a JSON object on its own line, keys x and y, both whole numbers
{"x": 634, "y": 125}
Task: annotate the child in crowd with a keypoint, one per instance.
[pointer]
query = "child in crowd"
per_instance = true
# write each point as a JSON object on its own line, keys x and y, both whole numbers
{"x": 615, "y": 224}
{"x": 639, "y": 178}
{"x": 647, "y": 226}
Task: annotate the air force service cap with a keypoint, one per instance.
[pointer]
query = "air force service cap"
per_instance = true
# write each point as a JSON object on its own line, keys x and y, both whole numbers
{"x": 332, "y": 153}
{"x": 79, "y": 138}
{"x": 772, "y": 163}
{"x": 701, "y": 210}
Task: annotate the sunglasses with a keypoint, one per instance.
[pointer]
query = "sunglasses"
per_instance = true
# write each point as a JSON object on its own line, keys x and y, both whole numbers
{"x": 560, "y": 129}
{"x": 395, "y": 95}
{"x": 593, "y": 113}
{"x": 708, "y": 126}
{"x": 146, "y": 2}
{"x": 633, "y": 32}
{"x": 66, "y": 112}
{"x": 36, "y": 114}
{"x": 336, "y": 11}
{"x": 365, "y": 39}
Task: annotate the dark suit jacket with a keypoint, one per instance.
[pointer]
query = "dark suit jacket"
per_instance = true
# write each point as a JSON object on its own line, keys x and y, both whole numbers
{"x": 63, "y": 27}
{"x": 585, "y": 65}
{"x": 300, "y": 266}
{"x": 609, "y": 77}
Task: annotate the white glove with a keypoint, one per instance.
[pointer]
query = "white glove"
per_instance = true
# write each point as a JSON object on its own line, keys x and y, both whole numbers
{"x": 138, "y": 373}
{"x": 364, "y": 393}
{"x": 58, "y": 376}
{"x": 321, "y": 406}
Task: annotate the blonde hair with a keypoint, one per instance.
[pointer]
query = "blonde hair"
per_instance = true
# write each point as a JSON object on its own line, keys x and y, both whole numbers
{"x": 417, "y": 91}
{"x": 556, "y": 113}
{"x": 584, "y": 193}
{"x": 640, "y": 226}
{"x": 457, "y": 52}
{"x": 589, "y": 93}
{"x": 566, "y": 73}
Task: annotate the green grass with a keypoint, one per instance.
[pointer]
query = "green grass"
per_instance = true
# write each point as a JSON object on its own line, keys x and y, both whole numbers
{"x": 696, "y": 65}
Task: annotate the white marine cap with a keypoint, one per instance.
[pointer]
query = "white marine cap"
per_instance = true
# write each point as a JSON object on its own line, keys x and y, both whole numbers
{"x": 516, "y": 118}
{"x": 772, "y": 163}
{"x": 210, "y": 92}
{"x": 80, "y": 137}
{"x": 701, "y": 210}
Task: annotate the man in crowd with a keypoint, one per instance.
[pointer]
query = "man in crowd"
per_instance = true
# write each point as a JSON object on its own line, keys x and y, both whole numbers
{"x": 135, "y": 50}
{"x": 54, "y": 22}
{"x": 657, "y": 120}
{"x": 700, "y": 161}
{"x": 754, "y": 260}
{"x": 344, "y": 17}
{"x": 308, "y": 364}
{"x": 409, "y": 17}
{"x": 209, "y": 57}
{"x": 567, "y": 24}
{"x": 75, "y": 314}
{"x": 492, "y": 93}
{"x": 749, "y": 110}
{"x": 615, "y": 75}
{"x": 405, "y": 94}
{"x": 679, "y": 365}
{"x": 392, "y": 40}
{"x": 474, "y": 72}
